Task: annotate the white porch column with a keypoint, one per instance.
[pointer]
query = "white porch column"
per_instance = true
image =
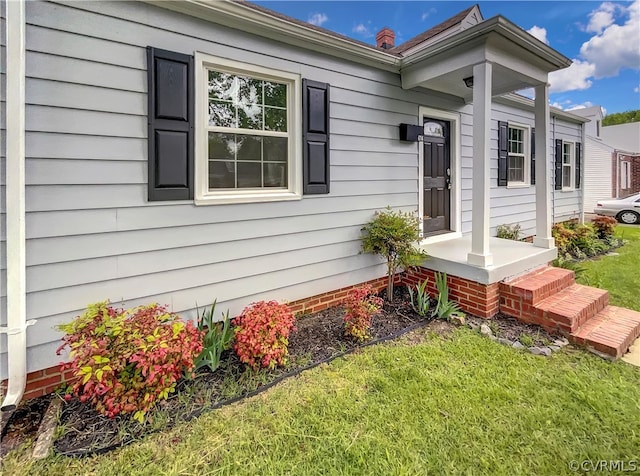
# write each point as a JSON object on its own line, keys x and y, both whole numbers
{"x": 480, "y": 254}
{"x": 543, "y": 237}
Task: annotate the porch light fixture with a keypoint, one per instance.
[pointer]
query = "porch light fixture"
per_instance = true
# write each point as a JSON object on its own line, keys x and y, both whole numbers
{"x": 468, "y": 82}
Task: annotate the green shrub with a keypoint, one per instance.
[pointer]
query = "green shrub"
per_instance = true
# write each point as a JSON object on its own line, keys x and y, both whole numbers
{"x": 217, "y": 337}
{"x": 262, "y": 334}
{"x": 393, "y": 235}
{"x": 509, "y": 232}
{"x": 421, "y": 301}
{"x": 360, "y": 306}
{"x": 126, "y": 360}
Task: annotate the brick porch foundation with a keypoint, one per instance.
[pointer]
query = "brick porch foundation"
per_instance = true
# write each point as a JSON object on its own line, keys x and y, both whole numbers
{"x": 482, "y": 300}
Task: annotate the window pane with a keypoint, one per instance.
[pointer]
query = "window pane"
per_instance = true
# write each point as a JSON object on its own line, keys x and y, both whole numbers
{"x": 222, "y": 86}
{"x": 249, "y": 116}
{"x": 275, "y": 175}
{"x": 222, "y": 146}
{"x": 275, "y": 94}
{"x": 275, "y": 119}
{"x": 516, "y": 141}
{"x": 249, "y": 147}
{"x": 516, "y": 169}
{"x": 222, "y": 114}
{"x": 566, "y": 176}
{"x": 249, "y": 174}
{"x": 222, "y": 174}
{"x": 275, "y": 149}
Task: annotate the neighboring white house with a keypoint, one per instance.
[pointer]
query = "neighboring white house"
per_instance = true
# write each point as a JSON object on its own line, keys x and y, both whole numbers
{"x": 181, "y": 152}
{"x": 612, "y": 158}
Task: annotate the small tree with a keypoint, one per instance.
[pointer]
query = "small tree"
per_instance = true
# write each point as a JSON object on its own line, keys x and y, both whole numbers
{"x": 393, "y": 235}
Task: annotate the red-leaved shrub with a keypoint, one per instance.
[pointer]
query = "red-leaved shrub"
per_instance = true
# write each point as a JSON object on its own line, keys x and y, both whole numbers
{"x": 360, "y": 306}
{"x": 262, "y": 334}
{"x": 605, "y": 226}
{"x": 126, "y": 360}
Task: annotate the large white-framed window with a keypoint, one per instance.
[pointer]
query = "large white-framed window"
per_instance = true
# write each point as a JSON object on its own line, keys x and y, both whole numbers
{"x": 568, "y": 164}
{"x": 248, "y": 132}
{"x": 519, "y": 155}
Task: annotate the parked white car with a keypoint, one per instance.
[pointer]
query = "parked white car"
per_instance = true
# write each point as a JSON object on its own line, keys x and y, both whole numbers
{"x": 625, "y": 210}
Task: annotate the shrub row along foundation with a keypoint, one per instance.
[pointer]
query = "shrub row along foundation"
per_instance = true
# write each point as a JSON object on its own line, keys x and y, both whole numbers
{"x": 473, "y": 298}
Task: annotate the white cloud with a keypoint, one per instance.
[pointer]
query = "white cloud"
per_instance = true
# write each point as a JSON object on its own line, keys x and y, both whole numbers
{"x": 602, "y": 17}
{"x": 539, "y": 32}
{"x": 362, "y": 29}
{"x": 569, "y": 106}
{"x": 428, "y": 13}
{"x": 575, "y": 77}
{"x": 616, "y": 46}
{"x": 636, "y": 89}
{"x": 317, "y": 19}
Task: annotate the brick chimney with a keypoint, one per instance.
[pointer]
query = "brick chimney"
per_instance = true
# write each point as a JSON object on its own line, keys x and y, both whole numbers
{"x": 385, "y": 38}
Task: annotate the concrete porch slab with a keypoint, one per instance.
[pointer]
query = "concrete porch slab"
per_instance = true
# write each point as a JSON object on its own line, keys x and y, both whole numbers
{"x": 510, "y": 258}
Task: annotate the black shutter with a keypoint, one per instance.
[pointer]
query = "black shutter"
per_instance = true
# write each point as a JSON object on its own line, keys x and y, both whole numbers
{"x": 533, "y": 156}
{"x": 170, "y": 116}
{"x": 558, "y": 165}
{"x": 578, "y": 163}
{"x": 315, "y": 137}
{"x": 503, "y": 153}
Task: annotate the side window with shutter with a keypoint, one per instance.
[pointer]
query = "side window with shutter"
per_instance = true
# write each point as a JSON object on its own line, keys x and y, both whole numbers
{"x": 315, "y": 130}
{"x": 503, "y": 153}
{"x": 533, "y": 156}
{"x": 170, "y": 117}
{"x": 558, "y": 165}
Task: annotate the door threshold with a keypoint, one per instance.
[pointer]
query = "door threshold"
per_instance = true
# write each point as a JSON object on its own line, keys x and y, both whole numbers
{"x": 439, "y": 236}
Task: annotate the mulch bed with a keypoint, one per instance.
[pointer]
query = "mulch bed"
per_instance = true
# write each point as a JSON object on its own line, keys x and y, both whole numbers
{"x": 317, "y": 338}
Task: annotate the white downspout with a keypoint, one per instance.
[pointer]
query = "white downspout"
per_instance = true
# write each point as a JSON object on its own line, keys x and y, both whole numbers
{"x": 16, "y": 328}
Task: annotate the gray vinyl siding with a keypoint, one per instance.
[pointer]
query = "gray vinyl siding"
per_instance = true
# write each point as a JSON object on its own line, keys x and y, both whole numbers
{"x": 517, "y": 205}
{"x": 92, "y": 235}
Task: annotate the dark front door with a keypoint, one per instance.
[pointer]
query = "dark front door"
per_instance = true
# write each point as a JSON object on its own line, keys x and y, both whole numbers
{"x": 437, "y": 177}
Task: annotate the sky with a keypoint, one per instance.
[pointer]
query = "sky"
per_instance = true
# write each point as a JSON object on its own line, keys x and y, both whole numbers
{"x": 602, "y": 38}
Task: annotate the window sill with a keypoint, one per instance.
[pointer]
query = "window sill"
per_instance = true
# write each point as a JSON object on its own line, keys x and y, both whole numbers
{"x": 226, "y": 199}
{"x": 568, "y": 190}
{"x": 518, "y": 185}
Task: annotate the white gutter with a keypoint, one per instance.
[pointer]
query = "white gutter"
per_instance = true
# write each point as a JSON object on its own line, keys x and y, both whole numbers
{"x": 16, "y": 328}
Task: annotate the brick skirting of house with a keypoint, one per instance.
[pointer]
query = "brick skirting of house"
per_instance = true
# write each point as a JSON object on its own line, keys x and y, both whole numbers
{"x": 482, "y": 300}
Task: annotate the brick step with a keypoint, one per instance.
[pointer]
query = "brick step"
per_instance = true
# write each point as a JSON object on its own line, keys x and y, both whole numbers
{"x": 610, "y": 332}
{"x": 537, "y": 285}
{"x": 570, "y": 308}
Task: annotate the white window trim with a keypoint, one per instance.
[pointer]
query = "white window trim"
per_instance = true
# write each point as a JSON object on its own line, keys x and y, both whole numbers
{"x": 527, "y": 155}
{"x": 625, "y": 175}
{"x": 572, "y": 166}
{"x": 203, "y": 196}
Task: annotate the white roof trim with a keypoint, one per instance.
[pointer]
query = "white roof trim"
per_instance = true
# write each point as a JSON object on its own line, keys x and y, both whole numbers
{"x": 512, "y": 99}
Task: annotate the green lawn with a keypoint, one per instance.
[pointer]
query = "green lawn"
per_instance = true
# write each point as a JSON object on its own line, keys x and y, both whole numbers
{"x": 620, "y": 275}
{"x": 455, "y": 405}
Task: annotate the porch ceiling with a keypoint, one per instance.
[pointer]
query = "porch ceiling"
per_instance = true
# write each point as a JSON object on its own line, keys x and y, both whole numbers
{"x": 519, "y": 60}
